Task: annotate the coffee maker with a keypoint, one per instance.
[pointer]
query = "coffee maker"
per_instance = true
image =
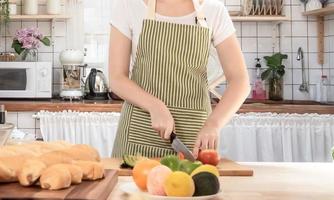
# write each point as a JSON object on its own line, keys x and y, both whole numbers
{"x": 73, "y": 68}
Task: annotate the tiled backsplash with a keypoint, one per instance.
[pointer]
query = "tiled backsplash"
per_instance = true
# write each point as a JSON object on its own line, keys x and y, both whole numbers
{"x": 25, "y": 122}
{"x": 255, "y": 39}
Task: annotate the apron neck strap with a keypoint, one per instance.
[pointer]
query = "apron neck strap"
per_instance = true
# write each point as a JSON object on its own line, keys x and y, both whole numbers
{"x": 200, "y": 17}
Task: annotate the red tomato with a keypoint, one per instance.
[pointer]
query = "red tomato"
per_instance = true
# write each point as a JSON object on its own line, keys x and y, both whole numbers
{"x": 209, "y": 157}
{"x": 180, "y": 155}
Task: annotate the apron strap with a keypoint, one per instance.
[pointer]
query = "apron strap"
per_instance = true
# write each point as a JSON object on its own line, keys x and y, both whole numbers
{"x": 200, "y": 17}
{"x": 151, "y": 9}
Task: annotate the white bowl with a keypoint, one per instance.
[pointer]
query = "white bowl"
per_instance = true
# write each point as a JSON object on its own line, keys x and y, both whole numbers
{"x": 131, "y": 189}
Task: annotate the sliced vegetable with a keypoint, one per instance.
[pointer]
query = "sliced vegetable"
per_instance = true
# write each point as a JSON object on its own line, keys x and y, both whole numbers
{"x": 129, "y": 161}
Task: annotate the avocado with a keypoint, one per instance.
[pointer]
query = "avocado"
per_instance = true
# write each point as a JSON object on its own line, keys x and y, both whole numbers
{"x": 130, "y": 160}
{"x": 206, "y": 184}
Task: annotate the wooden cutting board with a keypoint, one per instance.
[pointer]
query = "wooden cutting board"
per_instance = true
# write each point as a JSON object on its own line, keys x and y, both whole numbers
{"x": 226, "y": 168}
{"x": 87, "y": 190}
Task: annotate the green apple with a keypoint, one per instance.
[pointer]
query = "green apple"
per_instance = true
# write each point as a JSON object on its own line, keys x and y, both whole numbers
{"x": 171, "y": 161}
{"x": 188, "y": 166}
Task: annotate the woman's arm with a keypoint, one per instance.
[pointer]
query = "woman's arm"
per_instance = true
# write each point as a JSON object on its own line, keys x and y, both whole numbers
{"x": 237, "y": 90}
{"x": 119, "y": 62}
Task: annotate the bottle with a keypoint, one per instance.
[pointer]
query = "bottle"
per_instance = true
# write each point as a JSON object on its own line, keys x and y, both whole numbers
{"x": 2, "y": 114}
{"x": 258, "y": 91}
{"x": 323, "y": 89}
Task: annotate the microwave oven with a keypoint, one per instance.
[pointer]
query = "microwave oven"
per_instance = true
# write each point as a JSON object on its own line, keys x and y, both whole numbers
{"x": 26, "y": 80}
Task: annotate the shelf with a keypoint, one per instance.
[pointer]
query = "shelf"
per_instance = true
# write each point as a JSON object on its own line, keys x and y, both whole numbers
{"x": 320, "y": 12}
{"x": 259, "y": 18}
{"x": 38, "y": 17}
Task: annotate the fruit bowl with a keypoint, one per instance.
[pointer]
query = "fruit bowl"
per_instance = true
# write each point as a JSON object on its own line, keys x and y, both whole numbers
{"x": 131, "y": 189}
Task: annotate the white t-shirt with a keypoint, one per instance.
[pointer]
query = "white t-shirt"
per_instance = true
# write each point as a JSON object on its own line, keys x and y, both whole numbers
{"x": 127, "y": 16}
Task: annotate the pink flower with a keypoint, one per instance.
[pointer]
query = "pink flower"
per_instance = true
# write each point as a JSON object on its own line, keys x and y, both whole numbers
{"x": 29, "y": 38}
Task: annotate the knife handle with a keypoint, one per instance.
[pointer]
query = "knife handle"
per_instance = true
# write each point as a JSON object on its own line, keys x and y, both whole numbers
{"x": 172, "y": 137}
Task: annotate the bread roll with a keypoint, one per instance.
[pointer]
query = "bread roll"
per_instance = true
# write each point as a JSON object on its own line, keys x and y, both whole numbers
{"x": 35, "y": 148}
{"x": 91, "y": 170}
{"x": 82, "y": 152}
{"x": 10, "y": 167}
{"x": 31, "y": 172}
{"x": 55, "y": 157}
{"x": 17, "y": 150}
{"x": 55, "y": 177}
{"x": 75, "y": 171}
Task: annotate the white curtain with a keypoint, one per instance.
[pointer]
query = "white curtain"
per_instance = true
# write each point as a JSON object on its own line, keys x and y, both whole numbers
{"x": 278, "y": 137}
{"x": 95, "y": 129}
{"x": 75, "y": 25}
{"x": 248, "y": 137}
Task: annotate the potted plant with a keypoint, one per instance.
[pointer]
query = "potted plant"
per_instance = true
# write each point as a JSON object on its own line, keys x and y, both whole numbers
{"x": 274, "y": 75}
{"x": 4, "y": 12}
{"x": 27, "y": 41}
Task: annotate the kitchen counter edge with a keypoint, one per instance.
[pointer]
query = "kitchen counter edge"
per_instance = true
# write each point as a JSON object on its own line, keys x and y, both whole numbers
{"x": 116, "y": 106}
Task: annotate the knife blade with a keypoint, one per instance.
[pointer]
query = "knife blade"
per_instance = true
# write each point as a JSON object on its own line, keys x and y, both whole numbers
{"x": 178, "y": 146}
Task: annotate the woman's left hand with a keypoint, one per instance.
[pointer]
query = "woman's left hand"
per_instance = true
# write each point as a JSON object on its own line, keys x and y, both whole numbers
{"x": 206, "y": 139}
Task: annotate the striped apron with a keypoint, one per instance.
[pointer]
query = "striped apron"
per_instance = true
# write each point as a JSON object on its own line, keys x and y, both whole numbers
{"x": 170, "y": 64}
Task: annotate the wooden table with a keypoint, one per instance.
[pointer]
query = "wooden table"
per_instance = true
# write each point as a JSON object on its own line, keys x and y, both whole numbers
{"x": 273, "y": 181}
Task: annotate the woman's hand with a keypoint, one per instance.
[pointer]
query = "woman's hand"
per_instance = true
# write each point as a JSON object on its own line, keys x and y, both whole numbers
{"x": 162, "y": 120}
{"x": 207, "y": 139}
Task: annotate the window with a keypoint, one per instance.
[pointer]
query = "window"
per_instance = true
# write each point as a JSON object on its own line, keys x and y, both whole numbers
{"x": 96, "y": 32}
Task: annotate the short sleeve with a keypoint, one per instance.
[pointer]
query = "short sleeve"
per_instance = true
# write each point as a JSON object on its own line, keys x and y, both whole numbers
{"x": 223, "y": 26}
{"x": 120, "y": 17}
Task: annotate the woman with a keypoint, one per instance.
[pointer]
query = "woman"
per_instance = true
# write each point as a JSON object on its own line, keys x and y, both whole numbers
{"x": 169, "y": 42}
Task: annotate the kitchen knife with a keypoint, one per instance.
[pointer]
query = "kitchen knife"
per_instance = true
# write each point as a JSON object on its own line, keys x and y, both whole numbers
{"x": 178, "y": 146}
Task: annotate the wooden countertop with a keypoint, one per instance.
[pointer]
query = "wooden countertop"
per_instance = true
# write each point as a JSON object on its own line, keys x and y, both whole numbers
{"x": 58, "y": 105}
{"x": 115, "y": 106}
{"x": 272, "y": 181}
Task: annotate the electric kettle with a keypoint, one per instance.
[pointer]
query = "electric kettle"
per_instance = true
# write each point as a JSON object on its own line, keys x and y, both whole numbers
{"x": 96, "y": 87}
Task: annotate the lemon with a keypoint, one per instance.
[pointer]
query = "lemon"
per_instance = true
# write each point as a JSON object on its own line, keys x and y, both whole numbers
{"x": 179, "y": 184}
{"x": 206, "y": 168}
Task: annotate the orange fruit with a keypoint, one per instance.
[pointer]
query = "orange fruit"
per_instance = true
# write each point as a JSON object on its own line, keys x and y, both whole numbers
{"x": 141, "y": 170}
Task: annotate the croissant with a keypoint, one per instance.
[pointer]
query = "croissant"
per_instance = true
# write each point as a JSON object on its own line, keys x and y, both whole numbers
{"x": 55, "y": 177}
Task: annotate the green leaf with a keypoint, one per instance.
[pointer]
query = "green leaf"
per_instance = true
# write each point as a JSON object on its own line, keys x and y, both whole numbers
{"x": 275, "y": 68}
{"x": 281, "y": 72}
{"x": 17, "y": 47}
{"x": 46, "y": 41}
{"x": 266, "y": 74}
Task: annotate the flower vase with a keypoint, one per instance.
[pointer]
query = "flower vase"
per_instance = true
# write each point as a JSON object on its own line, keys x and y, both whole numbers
{"x": 276, "y": 89}
{"x": 29, "y": 55}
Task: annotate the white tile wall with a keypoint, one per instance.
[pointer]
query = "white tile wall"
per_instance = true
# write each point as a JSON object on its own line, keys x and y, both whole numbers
{"x": 45, "y": 53}
{"x": 25, "y": 123}
{"x": 255, "y": 39}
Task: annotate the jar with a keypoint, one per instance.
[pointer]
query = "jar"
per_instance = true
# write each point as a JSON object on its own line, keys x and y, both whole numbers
{"x": 30, "y": 7}
{"x": 53, "y": 7}
{"x": 313, "y": 5}
{"x": 30, "y": 55}
{"x": 276, "y": 89}
{"x": 12, "y": 9}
